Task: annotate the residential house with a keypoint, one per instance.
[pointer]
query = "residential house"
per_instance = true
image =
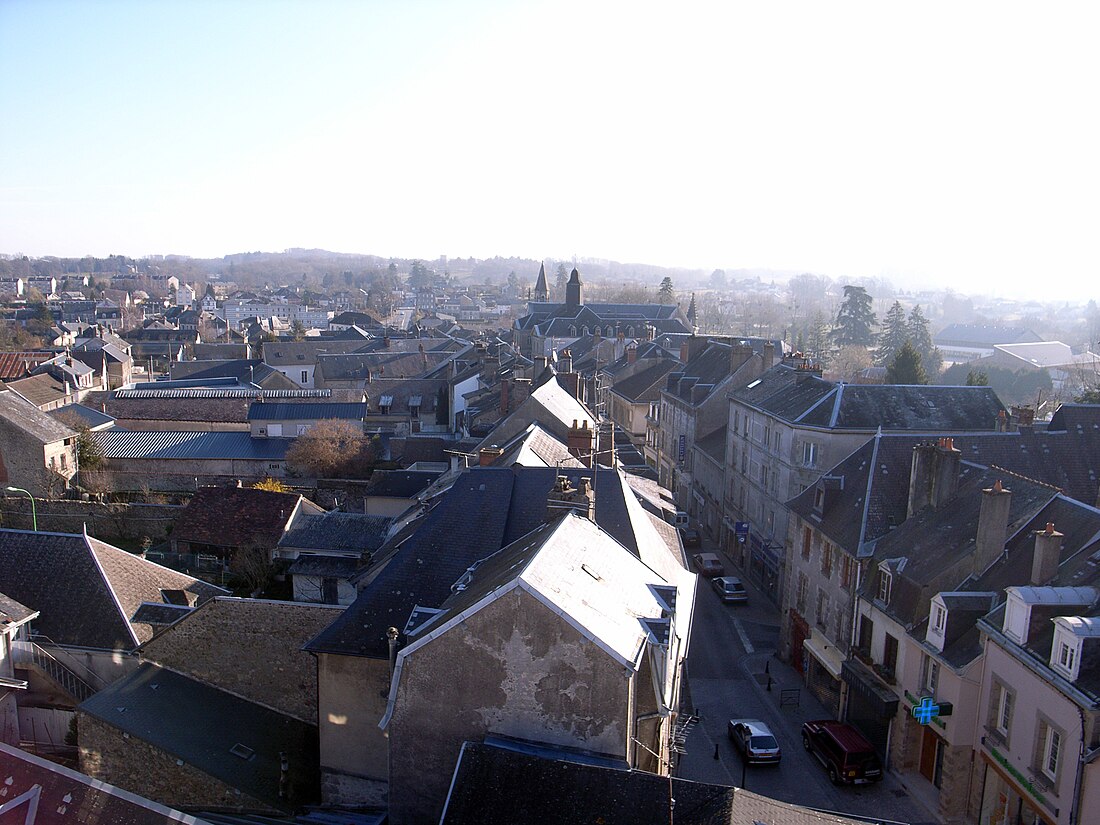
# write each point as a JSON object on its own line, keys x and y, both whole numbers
{"x": 89, "y": 598}
{"x": 325, "y": 551}
{"x": 13, "y": 620}
{"x": 566, "y": 604}
{"x": 37, "y": 452}
{"x": 483, "y": 510}
{"x": 635, "y": 397}
{"x": 389, "y": 493}
{"x": 788, "y": 426}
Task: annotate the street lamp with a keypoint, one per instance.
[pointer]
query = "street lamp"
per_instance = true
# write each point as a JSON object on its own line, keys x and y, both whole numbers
{"x": 34, "y": 515}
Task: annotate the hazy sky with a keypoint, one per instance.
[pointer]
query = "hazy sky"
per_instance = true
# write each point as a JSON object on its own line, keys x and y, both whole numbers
{"x": 951, "y": 142}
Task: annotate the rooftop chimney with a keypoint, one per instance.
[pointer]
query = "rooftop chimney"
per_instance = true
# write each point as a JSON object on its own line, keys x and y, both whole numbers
{"x": 1022, "y": 417}
{"x": 605, "y": 444}
{"x": 739, "y": 355}
{"x": 487, "y": 455}
{"x": 581, "y": 442}
{"x": 992, "y": 527}
{"x": 945, "y": 472}
{"x": 565, "y": 498}
{"x": 632, "y": 354}
{"x": 565, "y": 361}
{"x": 692, "y": 346}
{"x": 1048, "y": 552}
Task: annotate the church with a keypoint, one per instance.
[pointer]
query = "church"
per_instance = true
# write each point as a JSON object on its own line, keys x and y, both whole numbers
{"x": 548, "y": 326}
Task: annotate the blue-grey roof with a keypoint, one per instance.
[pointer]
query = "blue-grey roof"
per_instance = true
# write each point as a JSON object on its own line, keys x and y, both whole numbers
{"x": 91, "y": 418}
{"x": 201, "y": 724}
{"x": 267, "y": 411}
{"x": 125, "y": 444}
{"x": 337, "y": 532}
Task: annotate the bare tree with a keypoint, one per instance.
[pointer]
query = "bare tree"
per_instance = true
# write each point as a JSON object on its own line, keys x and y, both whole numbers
{"x": 332, "y": 449}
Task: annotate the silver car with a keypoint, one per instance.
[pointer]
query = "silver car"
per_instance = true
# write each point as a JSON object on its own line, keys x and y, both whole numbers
{"x": 755, "y": 741}
{"x": 730, "y": 589}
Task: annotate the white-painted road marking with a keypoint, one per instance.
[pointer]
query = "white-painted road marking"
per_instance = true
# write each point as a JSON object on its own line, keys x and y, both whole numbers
{"x": 743, "y": 636}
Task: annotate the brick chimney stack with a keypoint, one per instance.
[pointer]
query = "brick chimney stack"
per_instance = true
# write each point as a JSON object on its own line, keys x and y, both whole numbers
{"x": 1048, "y": 553}
{"x": 739, "y": 356}
{"x": 565, "y": 498}
{"x": 487, "y": 455}
{"x": 581, "y": 442}
{"x": 945, "y": 472}
{"x": 992, "y": 527}
{"x": 632, "y": 354}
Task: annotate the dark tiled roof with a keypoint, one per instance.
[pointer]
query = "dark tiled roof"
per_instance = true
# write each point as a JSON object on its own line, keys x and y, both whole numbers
{"x": 502, "y": 782}
{"x": 336, "y": 532}
{"x": 86, "y": 415}
{"x": 13, "y": 611}
{"x": 159, "y": 614}
{"x": 399, "y": 483}
{"x": 245, "y": 371}
{"x": 201, "y": 724}
{"x": 169, "y": 408}
{"x": 42, "y": 389}
{"x": 85, "y": 590}
{"x": 55, "y": 787}
{"x": 485, "y": 510}
{"x": 237, "y": 516}
{"x": 314, "y": 564}
{"x": 645, "y": 385}
{"x": 894, "y": 407}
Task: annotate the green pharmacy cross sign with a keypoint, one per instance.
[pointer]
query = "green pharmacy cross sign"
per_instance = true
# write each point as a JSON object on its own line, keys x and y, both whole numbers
{"x": 927, "y": 709}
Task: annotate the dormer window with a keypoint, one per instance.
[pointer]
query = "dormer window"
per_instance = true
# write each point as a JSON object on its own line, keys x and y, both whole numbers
{"x": 1070, "y": 633}
{"x": 1067, "y": 656}
{"x": 885, "y": 581}
{"x": 939, "y": 618}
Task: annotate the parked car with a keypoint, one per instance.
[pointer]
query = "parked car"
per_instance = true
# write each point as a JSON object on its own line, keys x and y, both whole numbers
{"x": 730, "y": 589}
{"x": 690, "y": 537}
{"x": 708, "y": 565}
{"x": 844, "y": 751}
{"x": 755, "y": 741}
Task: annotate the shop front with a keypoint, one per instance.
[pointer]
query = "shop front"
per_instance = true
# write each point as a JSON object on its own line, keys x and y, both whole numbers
{"x": 871, "y": 706}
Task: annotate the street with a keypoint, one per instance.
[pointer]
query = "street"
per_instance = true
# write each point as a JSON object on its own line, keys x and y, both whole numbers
{"x": 729, "y": 665}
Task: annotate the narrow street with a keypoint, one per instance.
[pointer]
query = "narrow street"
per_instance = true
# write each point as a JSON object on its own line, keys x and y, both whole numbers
{"x": 729, "y": 665}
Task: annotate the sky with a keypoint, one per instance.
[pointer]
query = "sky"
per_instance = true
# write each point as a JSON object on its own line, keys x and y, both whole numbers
{"x": 947, "y": 143}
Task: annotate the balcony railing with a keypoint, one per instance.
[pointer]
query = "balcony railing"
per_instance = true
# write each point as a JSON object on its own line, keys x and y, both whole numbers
{"x": 30, "y": 654}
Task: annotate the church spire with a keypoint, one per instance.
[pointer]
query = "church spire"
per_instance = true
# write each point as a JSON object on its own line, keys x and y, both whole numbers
{"x": 542, "y": 292}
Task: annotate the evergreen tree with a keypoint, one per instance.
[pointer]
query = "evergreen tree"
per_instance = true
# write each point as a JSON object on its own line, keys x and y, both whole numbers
{"x": 560, "y": 280}
{"x": 817, "y": 336}
{"x": 977, "y": 379}
{"x": 855, "y": 319}
{"x": 895, "y": 332}
{"x": 665, "y": 292}
{"x": 906, "y": 367}
{"x": 930, "y": 356}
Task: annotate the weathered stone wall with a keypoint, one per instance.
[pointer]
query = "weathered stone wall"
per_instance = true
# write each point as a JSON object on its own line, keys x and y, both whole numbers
{"x": 137, "y": 766}
{"x": 24, "y": 460}
{"x": 106, "y": 522}
{"x": 249, "y": 647}
{"x": 354, "y": 751}
{"x": 514, "y": 669}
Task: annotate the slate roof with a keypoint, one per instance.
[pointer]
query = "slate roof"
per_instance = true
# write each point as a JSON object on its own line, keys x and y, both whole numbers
{"x": 190, "y": 445}
{"x": 399, "y": 483}
{"x": 876, "y": 476}
{"x": 237, "y": 516}
{"x": 645, "y": 385}
{"x": 86, "y": 590}
{"x": 42, "y": 389}
{"x": 54, "y": 787}
{"x": 12, "y": 612}
{"x": 502, "y": 782}
{"x": 246, "y": 372}
{"x": 89, "y": 417}
{"x": 176, "y": 408}
{"x": 314, "y": 564}
{"x": 535, "y": 447}
{"x": 200, "y": 724}
{"x": 336, "y": 532}
{"x": 484, "y": 510}
{"x": 551, "y": 405}
{"x": 982, "y": 335}
{"x": 158, "y": 615}
{"x": 280, "y": 411}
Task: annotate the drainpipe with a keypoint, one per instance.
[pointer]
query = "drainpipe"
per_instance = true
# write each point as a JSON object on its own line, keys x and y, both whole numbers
{"x": 391, "y": 637}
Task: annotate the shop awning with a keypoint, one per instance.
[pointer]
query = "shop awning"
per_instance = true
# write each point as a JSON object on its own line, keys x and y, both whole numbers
{"x": 825, "y": 652}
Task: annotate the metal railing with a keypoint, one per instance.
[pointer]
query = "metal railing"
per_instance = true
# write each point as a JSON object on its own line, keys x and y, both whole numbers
{"x": 29, "y": 653}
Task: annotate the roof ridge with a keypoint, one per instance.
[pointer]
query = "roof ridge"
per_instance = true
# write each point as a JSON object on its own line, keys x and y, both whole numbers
{"x": 1023, "y": 477}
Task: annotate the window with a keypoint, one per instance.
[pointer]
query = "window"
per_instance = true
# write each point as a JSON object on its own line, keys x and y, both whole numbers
{"x": 1002, "y": 701}
{"x": 931, "y": 675}
{"x": 807, "y": 542}
{"x": 303, "y": 429}
{"x": 939, "y": 618}
{"x": 846, "y": 565}
{"x": 776, "y": 440}
{"x": 890, "y": 654}
{"x": 1052, "y": 746}
{"x": 826, "y": 559}
{"x": 866, "y": 634}
{"x": 884, "y": 582}
{"x": 809, "y": 454}
{"x": 822, "y": 609}
{"x": 305, "y": 376}
{"x": 801, "y": 597}
{"x": 1066, "y": 653}
{"x": 64, "y": 462}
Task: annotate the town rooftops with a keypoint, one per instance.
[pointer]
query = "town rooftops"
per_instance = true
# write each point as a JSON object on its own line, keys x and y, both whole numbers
{"x": 236, "y": 516}
{"x": 276, "y": 411}
{"x": 25, "y": 416}
{"x": 190, "y": 445}
{"x": 336, "y": 532}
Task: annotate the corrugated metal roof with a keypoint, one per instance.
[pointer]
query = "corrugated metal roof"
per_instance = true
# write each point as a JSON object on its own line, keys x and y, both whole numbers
{"x": 124, "y": 444}
{"x": 267, "y": 411}
{"x": 242, "y": 392}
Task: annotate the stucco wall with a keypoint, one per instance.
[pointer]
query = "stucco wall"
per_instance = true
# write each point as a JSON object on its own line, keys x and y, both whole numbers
{"x": 251, "y": 648}
{"x": 352, "y": 695}
{"x": 514, "y": 669}
{"x": 143, "y": 769}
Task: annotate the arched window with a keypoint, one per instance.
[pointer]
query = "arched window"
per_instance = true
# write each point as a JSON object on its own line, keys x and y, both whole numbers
{"x": 586, "y": 332}
{"x": 573, "y": 331}
{"x": 630, "y": 332}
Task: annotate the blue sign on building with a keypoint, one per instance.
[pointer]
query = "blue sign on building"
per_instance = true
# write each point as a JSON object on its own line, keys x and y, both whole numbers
{"x": 741, "y": 528}
{"x": 683, "y": 447}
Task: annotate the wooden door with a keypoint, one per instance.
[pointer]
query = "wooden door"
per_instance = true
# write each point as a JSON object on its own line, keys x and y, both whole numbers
{"x": 929, "y": 741}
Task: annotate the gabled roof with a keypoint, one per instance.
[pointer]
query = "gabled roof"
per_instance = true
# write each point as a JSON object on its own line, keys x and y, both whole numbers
{"x": 1046, "y": 354}
{"x": 646, "y": 384}
{"x": 535, "y": 447}
{"x": 12, "y": 612}
{"x": 25, "y": 416}
{"x": 201, "y": 725}
{"x": 48, "y": 786}
{"x": 399, "y": 483}
{"x": 86, "y": 415}
{"x": 551, "y": 405}
{"x": 238, "y": 516}
{"x": 336, "y": 532}
{"x": 485, "y": 509}
{"x": 86, "y": 590}
{"x": 19, "y": 364}
{"x": 248, "y": 372}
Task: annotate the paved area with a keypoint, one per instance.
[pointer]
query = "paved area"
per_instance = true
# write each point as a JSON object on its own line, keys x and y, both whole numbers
{"x": 729, "y": 666}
